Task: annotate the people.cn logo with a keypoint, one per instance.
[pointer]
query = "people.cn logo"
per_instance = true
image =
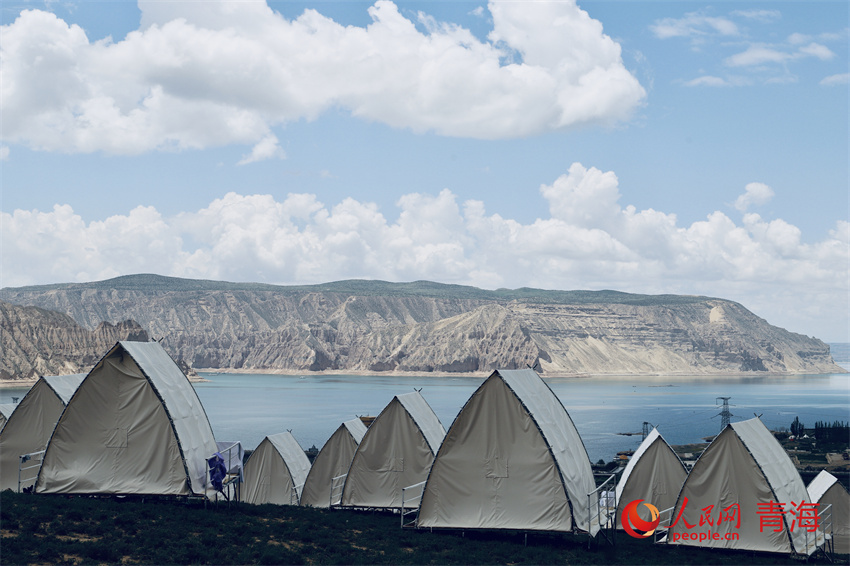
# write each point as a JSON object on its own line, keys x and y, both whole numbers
{"x": 634, "y": 525}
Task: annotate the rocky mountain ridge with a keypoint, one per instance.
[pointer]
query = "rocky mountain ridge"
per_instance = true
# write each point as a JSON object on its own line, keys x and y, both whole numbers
{"x": 37, "y": 341}
{"x": 375, "y": 326}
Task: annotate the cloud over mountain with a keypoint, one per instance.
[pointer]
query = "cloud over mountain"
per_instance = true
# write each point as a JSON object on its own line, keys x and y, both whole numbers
{"x": 587, "y": 241}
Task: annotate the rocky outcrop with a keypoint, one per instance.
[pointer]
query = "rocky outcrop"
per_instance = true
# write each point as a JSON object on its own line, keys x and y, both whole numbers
{"x": 37, "y": 341}
{"x": 422, "y": 327}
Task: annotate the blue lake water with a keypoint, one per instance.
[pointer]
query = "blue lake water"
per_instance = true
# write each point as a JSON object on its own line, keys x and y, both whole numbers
{"x": 249, "y": 407}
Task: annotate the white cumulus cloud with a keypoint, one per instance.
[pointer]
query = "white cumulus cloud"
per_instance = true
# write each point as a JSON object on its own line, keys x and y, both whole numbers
{"x": 754, "y": 194}
{"x": 839, "y": 79}
{"x": 202, "y": 74}
{"x": 587, "y": 240}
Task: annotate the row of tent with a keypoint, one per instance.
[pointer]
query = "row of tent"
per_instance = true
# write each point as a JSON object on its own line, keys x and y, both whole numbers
{"x": 512, "y": 458}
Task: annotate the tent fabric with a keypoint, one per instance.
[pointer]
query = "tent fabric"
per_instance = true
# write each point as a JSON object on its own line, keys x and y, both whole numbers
{"x": 825, "y": 489}
{"x": 274, "y": 468}
{"x": 654, "y": 473}
{"x": 64, "y": 386}
{"x": 396, "y": 452}
{"x": 356, "y": 428}
{"x": 512, "y": 459}
{"x": 744, "y": 466}
{"x": 6, "y": 410}
{"x": 134, "y": 426}
{"x": 332, "y": 460}
{"x": 29, "y": 427}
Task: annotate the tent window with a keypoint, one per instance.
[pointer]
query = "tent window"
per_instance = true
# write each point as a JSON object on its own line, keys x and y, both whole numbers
{"x": 496, "y": 467}
{"x": 660, "y": 488}
{"x": 117, "y": 438}
{"x": 396, "y": 464}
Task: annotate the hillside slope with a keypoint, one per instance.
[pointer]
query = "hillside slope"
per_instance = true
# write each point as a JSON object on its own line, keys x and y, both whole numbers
{"x": 424, "y": 327}
{"x": 36, "y": 341}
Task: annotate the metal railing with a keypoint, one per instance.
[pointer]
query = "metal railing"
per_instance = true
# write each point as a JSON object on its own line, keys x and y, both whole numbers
{"x": 601, "y": 510}
{"x": 232, "y": 483}
{"x": 337, "y": 484}
{"x": 822, "y": 538}
{"x": 410, "y": 497}
{"x": 660, "y": 535}
{"x": 37, "y": 458}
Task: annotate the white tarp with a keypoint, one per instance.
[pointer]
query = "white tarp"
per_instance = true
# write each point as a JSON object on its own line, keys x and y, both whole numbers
{"x": 6, "y": 410}
{"x": 64, "y": 386}
{"x": 134, "y": 426}
{"x": 825, "y": 490}
{"x": 512, "y": 459}
{"x": 31, "y": 424}
{"x": 332, "y": 460}
{"x": 278, "y": 465}
{"x": 744, "y": 466}
{"x": 396, "y": 452}
{"x": 654, "y": 473}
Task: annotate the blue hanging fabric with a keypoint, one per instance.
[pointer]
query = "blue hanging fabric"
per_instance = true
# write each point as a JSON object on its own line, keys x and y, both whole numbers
{"x": 218, "y": 471}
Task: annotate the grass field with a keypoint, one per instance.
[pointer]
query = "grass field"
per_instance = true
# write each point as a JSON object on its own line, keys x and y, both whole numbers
{"x": 42, "y": 529}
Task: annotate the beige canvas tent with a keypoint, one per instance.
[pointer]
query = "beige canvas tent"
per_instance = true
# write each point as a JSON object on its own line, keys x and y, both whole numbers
{"x": 396, "y": 451}
{"x": 276, "y": 471}
{"x": 512, "y": 459}
{"x": 6, "y": 410}
{"x": 134, "y": 426}
{"x": 738, "y": 475}
{"x": 825, "y": 490}
{"x": 654, "y": 473}
{"x": 29, "y": 427}
{"x": 332, "y": 460}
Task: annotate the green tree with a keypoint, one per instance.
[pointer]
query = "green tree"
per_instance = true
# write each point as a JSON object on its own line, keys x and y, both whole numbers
{"x": 797, "y": 427}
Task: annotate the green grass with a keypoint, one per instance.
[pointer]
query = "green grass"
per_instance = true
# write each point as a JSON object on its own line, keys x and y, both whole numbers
{"x": 41, "y": 529}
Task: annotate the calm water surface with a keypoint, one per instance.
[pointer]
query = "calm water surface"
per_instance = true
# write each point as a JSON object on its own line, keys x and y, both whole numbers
{"x": 249, "y": 407}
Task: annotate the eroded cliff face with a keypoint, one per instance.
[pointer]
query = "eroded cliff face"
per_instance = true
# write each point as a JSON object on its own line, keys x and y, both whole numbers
{"x": 36, "y": 342}
{"x": 387, "y": 327}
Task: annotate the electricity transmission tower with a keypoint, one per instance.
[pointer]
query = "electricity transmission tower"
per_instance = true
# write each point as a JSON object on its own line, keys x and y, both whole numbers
{"x": 725, "y": 414}
{"x": 647, "y": 427}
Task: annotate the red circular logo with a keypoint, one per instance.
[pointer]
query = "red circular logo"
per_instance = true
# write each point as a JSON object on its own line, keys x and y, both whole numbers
{"x": 634, "y": 525}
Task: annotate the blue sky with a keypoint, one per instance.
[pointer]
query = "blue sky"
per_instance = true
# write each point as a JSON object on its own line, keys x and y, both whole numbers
{"x": 651, "y": 147}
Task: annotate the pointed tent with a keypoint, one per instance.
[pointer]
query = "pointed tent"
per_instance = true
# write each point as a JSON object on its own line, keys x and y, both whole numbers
{"x": 134, "y": 426}
{"x": 278, "y": 465}
{"x": 654, "y": 473}
{"x": 332, "y": 460}
{"x": 825, "y": 490}
{"x": 29, "y": 427}
{"x": 6, "y": 410}
{"x": 512, "y": 459}
{"x": 396, "y": 452}
{"x": 737, "y": 476}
